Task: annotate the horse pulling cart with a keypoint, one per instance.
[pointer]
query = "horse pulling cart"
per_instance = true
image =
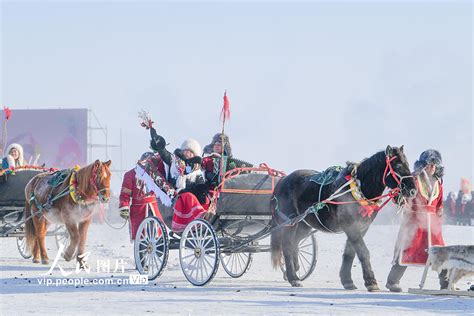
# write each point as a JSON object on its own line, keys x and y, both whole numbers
{"x": 242, "y": 220}
{"x": 12, "y": 207}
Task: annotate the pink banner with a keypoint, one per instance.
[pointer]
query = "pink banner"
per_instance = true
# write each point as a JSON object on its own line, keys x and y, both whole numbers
{"x": 57, "y": 138}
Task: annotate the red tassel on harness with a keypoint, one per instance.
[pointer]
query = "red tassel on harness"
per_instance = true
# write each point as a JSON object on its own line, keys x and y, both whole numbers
{"x": 225, "y": 113}
{"x": 8, "y": 112}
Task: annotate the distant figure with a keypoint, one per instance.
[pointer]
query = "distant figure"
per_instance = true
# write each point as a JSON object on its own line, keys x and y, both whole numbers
{"x": 450, "y": 208}
{"x": 464, "y": 203}
{"x": 14, "y": 157}
{"x": 421, "y": 222}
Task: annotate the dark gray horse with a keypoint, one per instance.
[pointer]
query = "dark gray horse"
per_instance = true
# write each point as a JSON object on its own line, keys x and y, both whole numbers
{"x": 301, "y": 189}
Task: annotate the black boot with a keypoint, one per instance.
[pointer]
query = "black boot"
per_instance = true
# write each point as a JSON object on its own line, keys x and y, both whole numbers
{"x": 393, "y": 280}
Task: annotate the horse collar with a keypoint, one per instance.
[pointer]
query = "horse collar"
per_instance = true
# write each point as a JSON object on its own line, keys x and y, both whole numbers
{"x": 75, "y": 196}
{"x": 368, "y": 207}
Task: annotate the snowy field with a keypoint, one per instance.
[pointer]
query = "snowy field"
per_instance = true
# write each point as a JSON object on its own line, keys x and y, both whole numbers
{"x": 261, "y": 291}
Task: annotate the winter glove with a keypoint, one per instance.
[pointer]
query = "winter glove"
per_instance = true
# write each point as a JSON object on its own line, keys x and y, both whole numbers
{"x": 157, "y": 142}
{"x": 439, "y": 212}
{"x": 125, "y": 213}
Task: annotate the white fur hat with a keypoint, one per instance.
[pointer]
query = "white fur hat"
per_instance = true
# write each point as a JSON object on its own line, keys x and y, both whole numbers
{"x": 21, "y": 160}
{"x": 192, "y": 145}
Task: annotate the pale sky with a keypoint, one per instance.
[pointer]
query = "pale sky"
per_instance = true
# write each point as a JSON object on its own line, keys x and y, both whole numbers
{"x": 311, "y": 84}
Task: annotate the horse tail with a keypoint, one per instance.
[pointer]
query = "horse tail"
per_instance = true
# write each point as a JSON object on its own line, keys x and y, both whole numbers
{"x": 276, "y": 237}
{"x": 30, "y": 231}
{"x": 276, "y": 247}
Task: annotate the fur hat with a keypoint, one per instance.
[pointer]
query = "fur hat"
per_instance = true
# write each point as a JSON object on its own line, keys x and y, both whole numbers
{"x": 192, "y": 145}
{"x": 146, "y": 155}
{"x": 11, "y": 161}
{"x": 430, "y": 156}
{"x": 218, "y": 138}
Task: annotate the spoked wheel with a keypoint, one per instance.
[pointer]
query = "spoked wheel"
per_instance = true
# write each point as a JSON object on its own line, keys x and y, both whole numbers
{"x": 236, "y": 264}
{"x": 199, "y": 252}
{"x": 307, "y": 257}
{"x": 62, "y": 236}
{"x": 151, "y": 247}
{"x": 23, "y": 247}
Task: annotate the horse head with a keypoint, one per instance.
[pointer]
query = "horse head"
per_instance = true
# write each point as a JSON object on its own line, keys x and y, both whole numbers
{"x": 397, "y": 173}
{"x": 100, "y": 180}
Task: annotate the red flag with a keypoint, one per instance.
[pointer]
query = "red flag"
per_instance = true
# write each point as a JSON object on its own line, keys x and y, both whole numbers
{"x": 8, "y": 112}
{"x": 225, "y": 113}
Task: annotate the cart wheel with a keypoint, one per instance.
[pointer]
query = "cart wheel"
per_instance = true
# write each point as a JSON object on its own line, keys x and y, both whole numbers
{"x": 236, "y": 264}
{"x": 199, "y": 252}
{"x": 23, "y": 248}
{"x": 151, "y": 247}
{"x": 307, "y": 257}
{"x": 62, "y": 236}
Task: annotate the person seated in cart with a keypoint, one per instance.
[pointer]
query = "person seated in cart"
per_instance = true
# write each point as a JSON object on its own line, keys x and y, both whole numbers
{"x": 14, "y": 157}
{"x": 185, "y": 174}
{"x": 211, "y": 163}
{"x": 421, "y": 222}
{"x": 135, "y": 201}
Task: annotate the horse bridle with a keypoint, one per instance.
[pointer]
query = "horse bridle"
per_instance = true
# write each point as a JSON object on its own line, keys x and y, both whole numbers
{"x": 95, "y": 183}
{"x": 389, "y": 171}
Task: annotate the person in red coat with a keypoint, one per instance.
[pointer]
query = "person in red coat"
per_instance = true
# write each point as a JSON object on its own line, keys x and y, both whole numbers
{"x": 136, "y": 202}
{"x": 421, "y": 225}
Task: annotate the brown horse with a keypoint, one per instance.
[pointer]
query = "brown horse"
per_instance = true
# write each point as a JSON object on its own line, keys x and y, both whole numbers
{"x": 68, "y": 197}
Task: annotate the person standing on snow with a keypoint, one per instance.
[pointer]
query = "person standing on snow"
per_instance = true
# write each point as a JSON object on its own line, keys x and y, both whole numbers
{"x": 136, "y": 202}
{"x": 464, "y": 203}
{"x": 421, "y": 222}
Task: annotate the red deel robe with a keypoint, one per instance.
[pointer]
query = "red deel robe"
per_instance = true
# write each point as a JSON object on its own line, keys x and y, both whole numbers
{"x": 421, "y": 226}
{"x": 135, "y": 196}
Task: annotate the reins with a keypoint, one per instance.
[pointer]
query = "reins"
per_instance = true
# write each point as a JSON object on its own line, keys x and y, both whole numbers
{"x": 316, "y": 207}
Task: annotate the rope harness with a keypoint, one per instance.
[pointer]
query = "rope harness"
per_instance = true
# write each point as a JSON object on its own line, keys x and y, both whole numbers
{"x": 72, "y": 189}
{"x": 369, "y": 206}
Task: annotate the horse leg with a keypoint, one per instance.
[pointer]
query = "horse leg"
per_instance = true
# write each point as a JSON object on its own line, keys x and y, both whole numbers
{"x": 345, "y": 272}
{"x": 302, "y": 231}
{"x": 74, "y": 240}
{"x": 41, "y": 227}
{"x": 36, "y": 252}
{"x": 83, "y": 229}
{"x": 363, "y": 254}
{"x": 290, "y": 250}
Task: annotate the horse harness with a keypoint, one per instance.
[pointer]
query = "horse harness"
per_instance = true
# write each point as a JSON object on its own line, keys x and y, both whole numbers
{"x": 59, "y": 178}
{"x": 369, "y": 206}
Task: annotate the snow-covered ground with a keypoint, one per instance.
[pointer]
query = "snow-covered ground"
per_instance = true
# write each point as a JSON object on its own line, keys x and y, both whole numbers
{"x": 261, "y": 291}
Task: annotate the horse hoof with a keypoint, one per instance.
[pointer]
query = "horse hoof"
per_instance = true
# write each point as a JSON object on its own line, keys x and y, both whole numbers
{"x": 36, "y": 260}
{"x": 45, "y": 261}
{"x": 296, "y": 283}
{"x": 349, "y": 286}
{"x": 67, "y": 258}
{"x": 373, "y": 288}
{"x": 83, "y": 265}
{"x": 285, "y": 277}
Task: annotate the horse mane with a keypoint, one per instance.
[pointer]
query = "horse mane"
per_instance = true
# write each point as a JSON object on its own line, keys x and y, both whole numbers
{"x": 370, "y": 173}
{"x": 83, "y": 177}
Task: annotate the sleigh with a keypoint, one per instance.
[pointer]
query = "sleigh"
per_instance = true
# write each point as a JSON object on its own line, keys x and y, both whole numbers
{"x": 241, "y": 220}
{"x": 12, "y": 204}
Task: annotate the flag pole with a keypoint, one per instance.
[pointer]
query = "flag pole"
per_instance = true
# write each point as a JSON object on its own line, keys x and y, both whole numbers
{"x": 7, "y": 113}
{"x": 224, "y": 115}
